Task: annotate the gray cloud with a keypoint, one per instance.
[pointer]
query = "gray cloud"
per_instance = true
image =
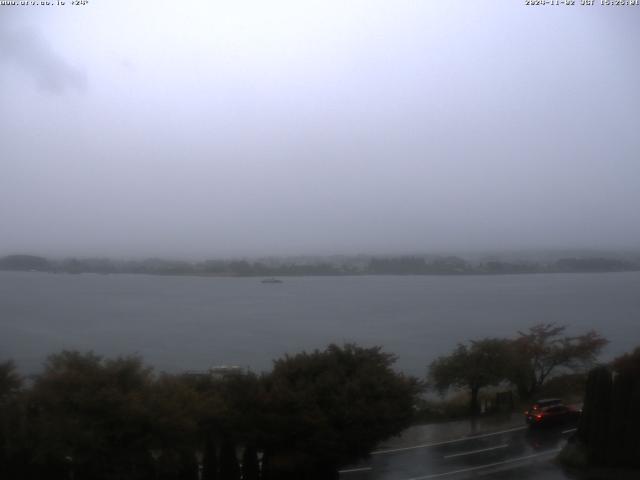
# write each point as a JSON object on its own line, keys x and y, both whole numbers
{"x": 320, "y": 127}
{"x": 26, "y": 49}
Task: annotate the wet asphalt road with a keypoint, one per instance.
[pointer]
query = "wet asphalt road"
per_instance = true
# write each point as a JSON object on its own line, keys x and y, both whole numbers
{"x": 515, "y": 452}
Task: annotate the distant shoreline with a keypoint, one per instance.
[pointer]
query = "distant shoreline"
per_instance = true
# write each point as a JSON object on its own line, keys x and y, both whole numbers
{"x": 324, "y": 267}
{"x": 333, "y": 275}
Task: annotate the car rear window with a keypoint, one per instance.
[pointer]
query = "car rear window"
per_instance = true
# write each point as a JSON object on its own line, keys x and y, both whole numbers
{"x": 556, "y": 409}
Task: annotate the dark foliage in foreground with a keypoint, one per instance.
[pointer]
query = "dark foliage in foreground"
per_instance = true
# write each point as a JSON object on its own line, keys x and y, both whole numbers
{"x": 607, "y": 435}
{"x": 330, "y": 407}
{"x": 87, "y": 417}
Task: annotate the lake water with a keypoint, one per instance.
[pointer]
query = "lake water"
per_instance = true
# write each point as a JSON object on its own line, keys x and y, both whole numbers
{"x": 180, "y": 323}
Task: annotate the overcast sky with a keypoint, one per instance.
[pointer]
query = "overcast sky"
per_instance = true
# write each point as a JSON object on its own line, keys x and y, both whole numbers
{"x": 223, "y": 128}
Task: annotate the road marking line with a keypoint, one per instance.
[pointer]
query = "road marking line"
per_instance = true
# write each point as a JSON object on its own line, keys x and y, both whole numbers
{"x": 353, "y": 470}
{"x": 447, "y": 442}
{"x": 569, "y": 431}
{"x": 488, "y": 465}
{"x": 476, "y": 451}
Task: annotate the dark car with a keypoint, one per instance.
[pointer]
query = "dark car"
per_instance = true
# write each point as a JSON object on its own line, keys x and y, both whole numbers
{"x": 551, "y": 412}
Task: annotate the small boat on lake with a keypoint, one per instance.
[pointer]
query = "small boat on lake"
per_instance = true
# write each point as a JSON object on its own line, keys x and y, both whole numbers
{"x": 271, "y": 280}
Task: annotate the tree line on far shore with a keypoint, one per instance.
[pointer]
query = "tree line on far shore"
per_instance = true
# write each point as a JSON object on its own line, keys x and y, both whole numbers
{"x": 357, "y": 265}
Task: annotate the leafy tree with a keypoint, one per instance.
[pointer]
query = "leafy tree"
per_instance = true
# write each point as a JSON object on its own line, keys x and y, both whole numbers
{"x": 542, "y": 351}
{"x": 628, "y": 363}
{"x": 11, "y": 431}
{"x": 10, "y": 381}
{"x": 233, "y": 417}
{"x": 330, "y": 407}
{"x": 89, "y": 416}
{"x": 175, "y": 408}
{"x": 608, "y": 430}
{"x": 480, "y": 364}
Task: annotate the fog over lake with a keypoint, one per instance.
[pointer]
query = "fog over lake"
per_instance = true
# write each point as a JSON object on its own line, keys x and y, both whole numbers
{"x": 192, "y": 323}
{"x": 250, "y": 128}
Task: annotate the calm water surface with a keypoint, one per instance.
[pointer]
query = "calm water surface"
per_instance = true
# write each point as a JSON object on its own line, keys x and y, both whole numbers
{"x": 179, "y": 323}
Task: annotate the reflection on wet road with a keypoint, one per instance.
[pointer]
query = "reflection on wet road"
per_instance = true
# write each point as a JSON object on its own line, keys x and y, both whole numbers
{"x": 491, "y": 454}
